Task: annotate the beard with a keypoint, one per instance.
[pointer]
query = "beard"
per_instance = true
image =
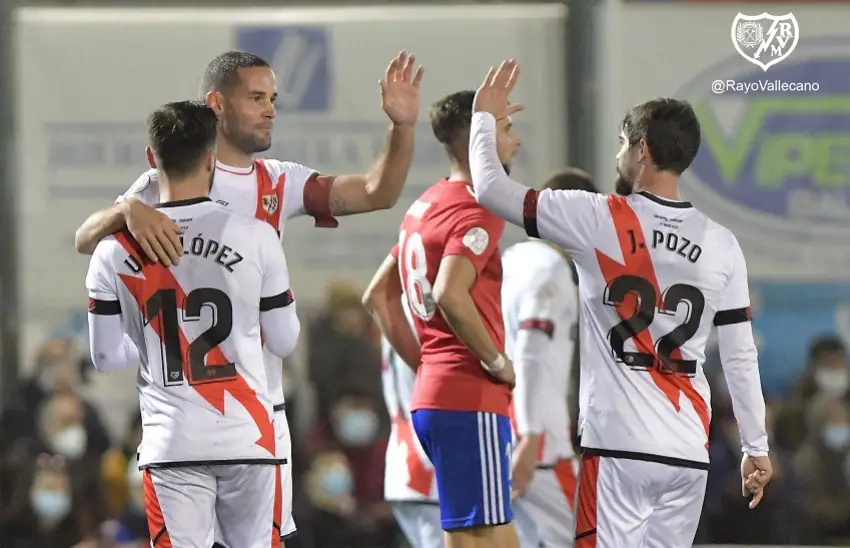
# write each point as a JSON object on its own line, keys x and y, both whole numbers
{"x": 622, "y": 187}
{"x": 507, "y": 168}
{"x": 245, "y": 141}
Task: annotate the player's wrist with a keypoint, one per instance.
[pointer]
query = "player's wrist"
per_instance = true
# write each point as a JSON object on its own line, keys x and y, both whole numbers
{"x": 495, "y": 365}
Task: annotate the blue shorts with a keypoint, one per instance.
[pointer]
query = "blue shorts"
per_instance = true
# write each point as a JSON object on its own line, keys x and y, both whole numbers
{"x": 471, "y": 453}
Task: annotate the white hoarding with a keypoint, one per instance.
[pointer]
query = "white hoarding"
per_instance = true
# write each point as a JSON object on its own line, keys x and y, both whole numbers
{"x": 88, "y": 78}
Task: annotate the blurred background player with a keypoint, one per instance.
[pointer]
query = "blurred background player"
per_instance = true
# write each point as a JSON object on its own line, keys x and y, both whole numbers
{"x": 540, "y": 307}
{"x": 448, "y": 265}
{"x": 409, "y": 484}
{"x": 241, "y": 89}
{"x": 204, "y": 460}
{"x": 654, "y": 275}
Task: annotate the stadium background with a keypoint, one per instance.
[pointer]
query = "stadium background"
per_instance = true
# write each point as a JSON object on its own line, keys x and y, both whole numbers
{"x": 773, "y": 167}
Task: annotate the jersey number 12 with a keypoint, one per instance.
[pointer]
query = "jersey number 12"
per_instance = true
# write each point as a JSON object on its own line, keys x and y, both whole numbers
{"x": 162, "y": 306}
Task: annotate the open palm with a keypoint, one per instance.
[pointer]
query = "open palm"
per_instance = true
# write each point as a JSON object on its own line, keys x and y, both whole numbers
{"x": 400, "y": 89}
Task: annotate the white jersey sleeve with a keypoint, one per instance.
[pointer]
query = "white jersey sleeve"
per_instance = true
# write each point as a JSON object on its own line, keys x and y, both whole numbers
{"x": 111, "y": 349}
{"x": 539, "y": 319}
{"x": 145, "y": 189}
{"x": 739, "y": 357}
{"x": 278, "y": 317}
{"x": 569, "y": 218}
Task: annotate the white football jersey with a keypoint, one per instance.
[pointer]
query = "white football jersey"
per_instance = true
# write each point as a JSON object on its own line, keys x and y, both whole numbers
{"x": 203, "y": 386}
{"x": 654, "y": 276}
{"x": 270, "y": 190}
{"x": 540, "y": 307}
{"x": 408, "y": 473}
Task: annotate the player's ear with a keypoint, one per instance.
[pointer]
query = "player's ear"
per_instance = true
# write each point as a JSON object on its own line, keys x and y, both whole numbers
{"x": 213, "y": 100}
{"x": 151, "y": 157}
{"x": 643, "y": 151}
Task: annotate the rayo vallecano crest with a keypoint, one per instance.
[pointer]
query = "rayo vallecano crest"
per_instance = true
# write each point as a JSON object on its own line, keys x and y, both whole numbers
{"x": 270, "y": 203}
{"x": 765, "y": 39}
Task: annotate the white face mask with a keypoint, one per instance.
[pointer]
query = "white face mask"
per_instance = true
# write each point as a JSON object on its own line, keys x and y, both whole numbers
{"x": 834, "y": 382}
{"x": 70, "y": 442}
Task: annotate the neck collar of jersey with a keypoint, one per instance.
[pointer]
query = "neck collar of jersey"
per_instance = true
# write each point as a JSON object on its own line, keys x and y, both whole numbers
{"x": 233, "y": 169}
{"x": 187, "y": 201}
{"x": 447, "y": 181}
{"x": 665, "y": 201}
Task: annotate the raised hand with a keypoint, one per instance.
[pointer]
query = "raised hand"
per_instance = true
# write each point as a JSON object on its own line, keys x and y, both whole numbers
{"x": 400, "y": 90}
{"x": 492, "y": 96}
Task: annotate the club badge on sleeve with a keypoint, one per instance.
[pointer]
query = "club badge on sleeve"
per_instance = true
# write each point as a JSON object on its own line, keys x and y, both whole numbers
{"x": 476, "y": 239}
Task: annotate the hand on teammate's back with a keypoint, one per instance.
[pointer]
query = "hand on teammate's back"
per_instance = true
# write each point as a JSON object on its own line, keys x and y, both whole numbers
{"x": 158, "y": 235}
{"x": 492, "y": 95}
{"x": 755, "y": 475}
{"x": 400, "y": 90}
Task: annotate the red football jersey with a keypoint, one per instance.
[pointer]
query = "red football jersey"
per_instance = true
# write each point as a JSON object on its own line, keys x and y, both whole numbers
{"x": 446, "y": 220}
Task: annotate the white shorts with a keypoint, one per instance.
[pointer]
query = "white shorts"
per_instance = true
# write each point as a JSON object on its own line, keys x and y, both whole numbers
{"x": 183, "y": 505}
{"x": 420, "y": 523}
{"x": 284, "y": 451}
{"x": 544, "y": 514}
{"x": 624, "y": 503}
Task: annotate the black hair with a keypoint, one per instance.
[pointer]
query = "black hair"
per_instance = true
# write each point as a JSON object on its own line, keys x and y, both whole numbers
{"x": 451, "y": 117}
{"x": 180, "y": 134}
{"x": 671, "y": 131}
{"x": 571, "y": 178}
{"x": 824, "y": 346}
{"x": 222, "y": 73}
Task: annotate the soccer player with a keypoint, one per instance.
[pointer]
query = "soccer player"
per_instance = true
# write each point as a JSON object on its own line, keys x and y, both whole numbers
{"x": 448, "y": 265}
{"x": 654, "y": 275}
{"x": 240, "y": 88}
{"x": 540, "y": 307}
{"x": 208, "y": 444}
{"x": 409, "y": 484}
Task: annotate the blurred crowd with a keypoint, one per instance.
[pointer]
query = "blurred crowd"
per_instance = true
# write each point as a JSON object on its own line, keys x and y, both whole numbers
{"x": 66, "y": 482}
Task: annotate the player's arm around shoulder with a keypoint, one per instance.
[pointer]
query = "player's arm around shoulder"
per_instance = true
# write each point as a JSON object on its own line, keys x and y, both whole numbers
{"x": 383, "y": 300}
{"x": 111, "y": 349}
{"x": 278, "y": 315}
{"x": 156, "y": 233}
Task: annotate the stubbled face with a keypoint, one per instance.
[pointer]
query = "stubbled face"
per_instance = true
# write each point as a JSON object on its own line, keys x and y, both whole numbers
{"x": 247, "y": 110}
{"x": 507, "y": 142}
{"x": 628, "y": 166}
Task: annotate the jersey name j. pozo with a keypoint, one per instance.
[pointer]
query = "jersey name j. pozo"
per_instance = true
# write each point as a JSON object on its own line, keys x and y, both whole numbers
{"x": 539, "y": 294}
{"x": 446, "y": 220}
{"x": 270, "y": 190}
{"x": 408, "y": 474}
{"x": 203, "y": 386}
{"x": 654, "y": 276}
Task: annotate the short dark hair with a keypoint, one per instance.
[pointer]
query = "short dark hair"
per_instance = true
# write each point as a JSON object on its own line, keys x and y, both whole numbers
{"x": 825, "y": 345}
{"x": 223, "y": 72}
{"x": 451, "y": 116}
{"x": 671, "y": 131}
{"x": 570, "y": 178}
{"x": 180, "y": 134}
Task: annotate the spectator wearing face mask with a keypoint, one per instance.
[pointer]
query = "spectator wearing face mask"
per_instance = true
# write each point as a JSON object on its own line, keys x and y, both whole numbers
{"x": 823, "y": 465}
{"x": 827, "y": 374}
{"x": 56, "y": 369}
{"x": 61, "y": 431}
{"x": 43, "y": 513}
{"x": 354, "y": 429}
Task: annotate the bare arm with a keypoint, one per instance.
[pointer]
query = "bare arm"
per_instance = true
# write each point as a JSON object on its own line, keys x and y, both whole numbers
{"x": 383, "y": 301}
{"x": 382, "y": 186}
{"x": 99, "y": 225}
{"x": 452, "y": 295}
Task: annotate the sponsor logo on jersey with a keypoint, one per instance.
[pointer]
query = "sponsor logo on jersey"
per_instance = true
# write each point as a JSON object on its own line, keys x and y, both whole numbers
{"x": 299, "y": 56}
{"x": 476, "y": 239}
{"x": 765, "y": 40}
